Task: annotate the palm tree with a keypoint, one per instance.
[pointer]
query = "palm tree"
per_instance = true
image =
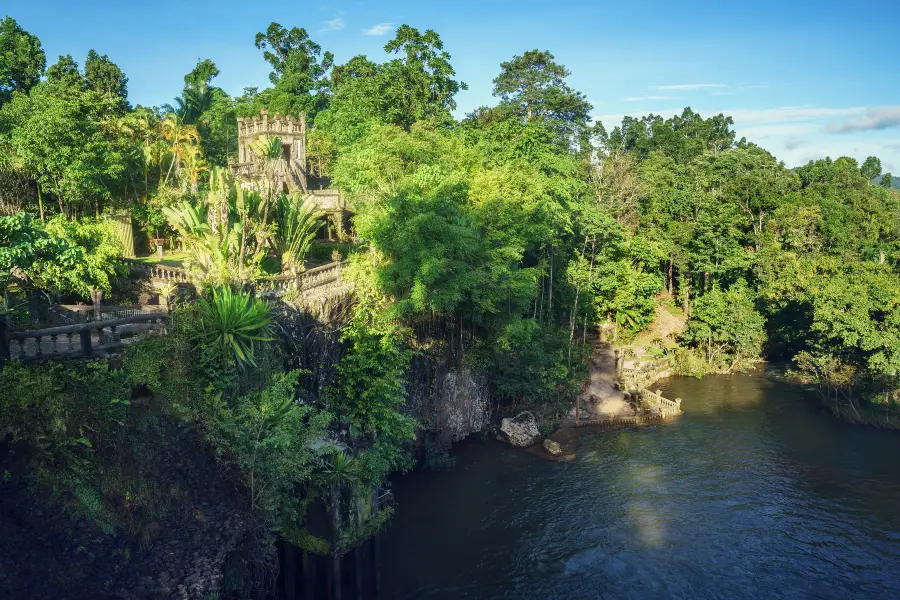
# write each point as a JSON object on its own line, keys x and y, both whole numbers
{"x": 194, "y": 165}
{"x": 180, "y": 135}
{"x": 191, "y": 105}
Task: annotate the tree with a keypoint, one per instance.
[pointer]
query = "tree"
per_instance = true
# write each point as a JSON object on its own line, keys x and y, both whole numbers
{"x": 22, "y": 60}
{"x": 871, "y": 168}
{"x": 182, "y": 137}
{"x": 887, "y": 181}
{"x": 105, "y": 77}
{"x": 299, "y": 71}
{"x": 533, "y": 85}
{"x": 68, "y": 141}
{"x": 421, "y": 83}
{"x": 24, "y": 247}
{"x": 64, "y": 76}
{"x": 726, "y": 327}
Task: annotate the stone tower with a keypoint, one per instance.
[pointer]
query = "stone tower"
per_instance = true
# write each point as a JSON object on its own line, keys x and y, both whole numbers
{"x": 290, "y": 172}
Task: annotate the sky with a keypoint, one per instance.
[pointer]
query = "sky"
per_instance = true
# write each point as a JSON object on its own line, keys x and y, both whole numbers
{"x": 804, "y": 79}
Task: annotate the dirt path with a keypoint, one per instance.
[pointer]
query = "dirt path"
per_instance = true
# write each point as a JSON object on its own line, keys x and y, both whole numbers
{"x": 600, "y": 394}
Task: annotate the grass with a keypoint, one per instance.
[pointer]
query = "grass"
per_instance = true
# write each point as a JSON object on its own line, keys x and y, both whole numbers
{"x": 173, "y": 259}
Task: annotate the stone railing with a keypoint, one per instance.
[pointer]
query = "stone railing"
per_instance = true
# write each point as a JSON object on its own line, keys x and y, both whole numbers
{"x": 72, "y": 341}
{"x": 277, "y": 285}
{"x": 329, "y": 200}
{"x": 108, "y": 312}
{"x": 159, "y": 272}
{"x": 305, "y": 281}
{"x": 663, "y": 406}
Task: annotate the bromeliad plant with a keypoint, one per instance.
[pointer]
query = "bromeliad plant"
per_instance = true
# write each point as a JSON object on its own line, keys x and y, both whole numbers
{"x": 298, "y": 223}
{"x": 234, "y": 324}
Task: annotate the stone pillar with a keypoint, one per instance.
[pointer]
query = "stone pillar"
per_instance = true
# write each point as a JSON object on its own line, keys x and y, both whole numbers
{"x": 97, "y": 299}
{"x": 339, "y": 225}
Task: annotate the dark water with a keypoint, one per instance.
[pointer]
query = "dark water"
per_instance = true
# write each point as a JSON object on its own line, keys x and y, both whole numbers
{"x": 752, "y": 493}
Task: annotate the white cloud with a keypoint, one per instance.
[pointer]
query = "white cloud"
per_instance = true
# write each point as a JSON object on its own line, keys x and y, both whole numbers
{"x": 379, "y": 29}
{"x": 778, "y": 130}
{"x": 335, "y": 24}
{"x": 686, "y": 86}
{"x": 643, "y": 98}
{"x": 787, "y": 114}
{"x": 874, "y": 118}
{"x": 723, "y": 93}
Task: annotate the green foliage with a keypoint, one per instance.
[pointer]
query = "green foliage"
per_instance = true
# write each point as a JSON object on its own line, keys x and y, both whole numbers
{"x": 71, "y": 138}
{"x": 269, "y": 437}
{"x": 298, "y": 223}
{"x": 726, "y": 327}
{"x": 106, "y": 78}
{"x": 533, "y": 86}
{"x": 22, "y": 60}
{"x": 233, "y": 324}
{"x": 225, "y": 235}
{"x": 370, "y": 393}
{"x": 64, "y": 419}
{"x": 26, "y": 251}
{"x": 100, "y": 246}
{"x": 298, "y": 74}
{"x": 529, "y": 363}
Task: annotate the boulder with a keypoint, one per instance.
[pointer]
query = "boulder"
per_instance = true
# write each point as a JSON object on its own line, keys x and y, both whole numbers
{"x": 585, "y": 412}
{"x": 552, "y": 447}
{"x": 521, "y": 430}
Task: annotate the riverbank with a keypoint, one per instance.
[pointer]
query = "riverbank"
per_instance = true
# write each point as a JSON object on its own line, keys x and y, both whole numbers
{"x": 752, "y": 493}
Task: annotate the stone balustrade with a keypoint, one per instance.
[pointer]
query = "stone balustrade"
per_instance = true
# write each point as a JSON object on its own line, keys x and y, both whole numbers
{"x": 305, "y": 281}
{"x": 159, "y": 272}
{"x": 658, "y": 403}
{"x": 80, "y": 340}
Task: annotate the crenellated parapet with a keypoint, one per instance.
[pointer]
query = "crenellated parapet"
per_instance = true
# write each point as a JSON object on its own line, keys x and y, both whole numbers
{"x": 291, "y": 167}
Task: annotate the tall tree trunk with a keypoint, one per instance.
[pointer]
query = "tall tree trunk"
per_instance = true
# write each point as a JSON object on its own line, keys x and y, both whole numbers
{"x": 290, "y": 571}
{"x": 686, "y": 291}
{"x": 335, "y": 541}
{"x": 309, "y": 576}
{"x": 670, "y": 276}
{"x": 40, "y": 201}
{"x": 357, "y": 556}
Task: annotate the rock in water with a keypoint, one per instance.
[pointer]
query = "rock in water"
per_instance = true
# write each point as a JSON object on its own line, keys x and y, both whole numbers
{"x": 521, "y": 430}
{"x": 552, "y": 447}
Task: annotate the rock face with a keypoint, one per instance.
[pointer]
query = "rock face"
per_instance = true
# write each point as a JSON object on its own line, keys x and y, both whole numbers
{"x": 462, "y": 405}
{"x": 521, "y": 430}
{"x": 552, "y": 447}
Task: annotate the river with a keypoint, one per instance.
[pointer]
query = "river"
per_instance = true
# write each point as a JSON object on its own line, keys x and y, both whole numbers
{"x": 753, "y": 492}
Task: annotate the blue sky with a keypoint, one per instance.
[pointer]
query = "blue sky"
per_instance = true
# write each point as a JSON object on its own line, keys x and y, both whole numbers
{"x": 804, "y": 79}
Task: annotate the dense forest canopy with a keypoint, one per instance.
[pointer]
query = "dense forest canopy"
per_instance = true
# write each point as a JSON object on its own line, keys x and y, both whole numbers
{"x": 526, "y": 218}
{"x": 510, "y": 235}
